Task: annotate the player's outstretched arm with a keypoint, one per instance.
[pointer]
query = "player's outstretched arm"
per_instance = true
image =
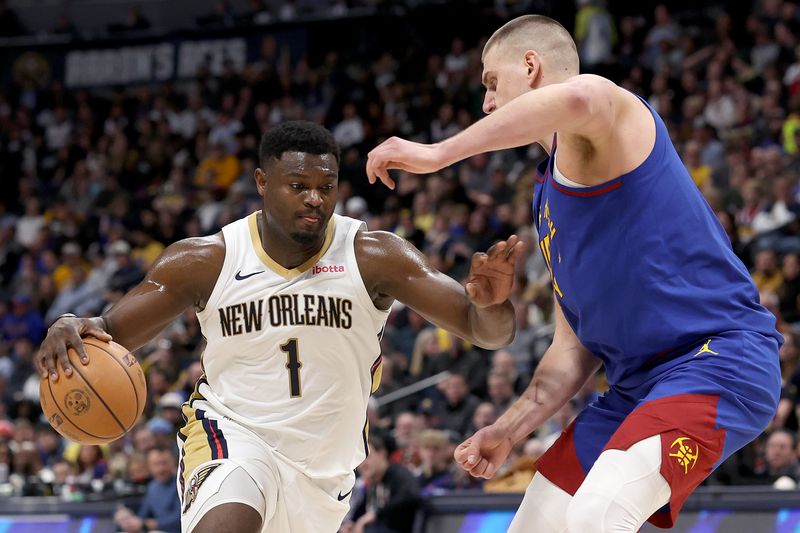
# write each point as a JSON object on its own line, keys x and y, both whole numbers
{"x": 561, "y": 373}
{"x": 393, "y": 269}
{"x": 586, "y": 104}
{"x": 183, "y": 276}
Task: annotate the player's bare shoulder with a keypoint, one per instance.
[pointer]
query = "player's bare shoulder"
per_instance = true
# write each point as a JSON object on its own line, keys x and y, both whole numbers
{"x": 206, "y": 250}
{"x": 616, "y": 135}
{"x": 192, "y": 264}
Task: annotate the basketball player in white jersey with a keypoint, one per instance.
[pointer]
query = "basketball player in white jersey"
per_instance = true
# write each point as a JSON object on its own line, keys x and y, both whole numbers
{"x": 292, "y": 300}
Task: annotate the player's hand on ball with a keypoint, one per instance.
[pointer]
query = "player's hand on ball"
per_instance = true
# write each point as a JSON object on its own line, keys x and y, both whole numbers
{"x": 397, "y": 153}
{"x": 66, "y": 333}
{"x": 491, "y": 274}
{"x": 483, "y": 453}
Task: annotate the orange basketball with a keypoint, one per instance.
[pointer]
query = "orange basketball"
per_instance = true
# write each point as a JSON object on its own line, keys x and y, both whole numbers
{"x": 100, "y": 401}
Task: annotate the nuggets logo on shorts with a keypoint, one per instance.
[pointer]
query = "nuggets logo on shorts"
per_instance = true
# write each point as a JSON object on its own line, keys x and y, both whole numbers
{"x": 681, "y": 449}
{"x": 194, "y": 485}
{"x": 77, "y": 401}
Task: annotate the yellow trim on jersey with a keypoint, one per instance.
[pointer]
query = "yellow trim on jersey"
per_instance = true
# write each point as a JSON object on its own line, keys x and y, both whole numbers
{"x": 196, "y": 449}
{"x": 252, "y": 222}
{"x": 376, "y": 378}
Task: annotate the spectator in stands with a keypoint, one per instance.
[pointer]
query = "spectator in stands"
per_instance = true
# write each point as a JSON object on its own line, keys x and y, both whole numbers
{"x": 49, "y": 444}
{"x": 163, "y": 434}
{"x": 22, "y": 322}
{"x": 218, "y": 171}
{"x": 485, "y": 415}
{"x": 160, "y": 509}
{"x": 169, "y": 408}
{"x": 595, "y": 34}
{"x": 22, "y": 355}
{"x": 407, "y": 427}
{"x": 457, "y": 358}
{"x": 79, "y": 296}
{"x": 350, "y": 131}
{"x": 459, "y": 404}
{"x": 126, "y": 272}
{"x": 138, "y": 473}
{"x": 766, "y": 274}
{"x": 436, "y": 470}
{"x": 790, "y": 288}
{"x": 91, "y": 464}
{"x": 501, "y": 390}
{"x": 71, "y": 261}
{"x": 504, "y": 363}
{"x": 392, "y": 494}
{"x": 780, "y": 459}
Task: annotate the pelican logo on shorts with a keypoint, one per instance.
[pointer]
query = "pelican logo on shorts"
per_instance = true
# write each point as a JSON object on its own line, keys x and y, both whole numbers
{"x": 194, "y": 485}
{"x": 77, "y": 401}
{"x": 681, "y": 450}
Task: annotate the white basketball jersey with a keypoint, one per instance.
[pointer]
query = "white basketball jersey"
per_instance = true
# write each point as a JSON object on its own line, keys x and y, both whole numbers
{"x": 294, "y": 354}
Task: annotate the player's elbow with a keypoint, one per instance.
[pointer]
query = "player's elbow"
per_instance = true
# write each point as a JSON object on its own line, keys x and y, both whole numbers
{"x": 497, "y": 338}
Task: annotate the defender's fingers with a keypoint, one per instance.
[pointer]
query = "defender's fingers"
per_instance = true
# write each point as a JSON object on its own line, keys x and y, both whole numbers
{"x": 383, "y": 174}
{"x": 466, "y": 452}
{"x": 490, "y": 471}
{"x": 369, "y": 169}
{"x": 480, "y": 469}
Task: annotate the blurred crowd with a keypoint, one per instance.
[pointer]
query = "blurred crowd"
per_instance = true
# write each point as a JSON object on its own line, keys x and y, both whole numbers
{"x": 96, "y": 183}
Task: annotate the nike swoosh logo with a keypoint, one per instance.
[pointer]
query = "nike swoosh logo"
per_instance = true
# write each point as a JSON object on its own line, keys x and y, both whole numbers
{"x": 341, "y": 496}
{"x": 239, "y": 276}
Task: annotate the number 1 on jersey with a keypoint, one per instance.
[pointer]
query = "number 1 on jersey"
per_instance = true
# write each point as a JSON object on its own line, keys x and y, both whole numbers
{"x": 293, "y": 365}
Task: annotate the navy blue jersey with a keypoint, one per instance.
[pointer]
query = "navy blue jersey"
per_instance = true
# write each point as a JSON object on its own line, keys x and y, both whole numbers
{"x": 641, "y": 266}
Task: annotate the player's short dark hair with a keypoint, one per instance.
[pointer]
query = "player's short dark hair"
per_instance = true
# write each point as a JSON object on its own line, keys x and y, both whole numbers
{"x": 297, "y": 136}
{"x": 523, "y": 21}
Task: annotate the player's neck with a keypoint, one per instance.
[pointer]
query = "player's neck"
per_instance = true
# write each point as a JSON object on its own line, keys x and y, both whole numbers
{"x": 284, "y": 250}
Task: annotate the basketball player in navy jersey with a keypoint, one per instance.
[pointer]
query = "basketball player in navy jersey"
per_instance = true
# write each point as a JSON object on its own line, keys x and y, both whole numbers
{"x": 292, "y": 300}
{"x": 645, "y": 282}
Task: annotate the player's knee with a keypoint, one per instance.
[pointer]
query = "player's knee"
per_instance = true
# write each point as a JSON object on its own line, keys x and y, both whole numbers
{"x": 585, "y": 512}
{"x": 590, "y": 512}
{"x": 543, "y": 510}
{"x": 230, "y": 517}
